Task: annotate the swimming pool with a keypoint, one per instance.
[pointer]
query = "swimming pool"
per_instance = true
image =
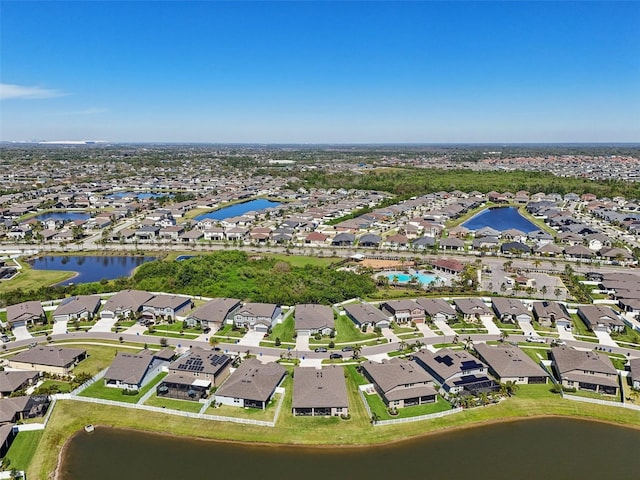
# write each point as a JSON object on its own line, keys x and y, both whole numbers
{"x": 423, "y": 278}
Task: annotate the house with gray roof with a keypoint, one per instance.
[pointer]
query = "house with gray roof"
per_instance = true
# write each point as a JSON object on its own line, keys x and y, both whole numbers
{"x": 457, "y": 371}
{"x": 165, "y": 306}
{"x": 15, "y": 409}
{"x": 343, "y": 239}
{"x": 473, "y": 309}
{"x": 25, "y": 313}
{"x": 400, "y": 383}
{"x": 510, "y": 310}
{"x": 48, "y": 358}
{"x": 600, "y": 318}
{"x": 213, "y": 314}
{"x": 183, "y": 387}
{"x": 584, "y": 370}
{"x": 13, "y": 380}
{"x": 320, "y": 392}
{"x": 77, "y": 307}
{"x": 552, "y": 313}
{"x": 366, "y": 316}
{"x": 403, "y": 311}
{"x": 510, "y": 364}
{"x": 634, "y": 368}
{"x": 203, "y": 364}
{"x": 256, "y": 316}
{"x": 369, "y": 240}
{"x": 131, "y": 371}
{"x": 251, "y": 385}
{"x": 311, "y": 319}
{"x": 125, "y": 303}
{"x": 437, "y": 309}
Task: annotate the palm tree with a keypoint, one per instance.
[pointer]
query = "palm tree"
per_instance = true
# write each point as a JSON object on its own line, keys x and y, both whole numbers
{"x": 508, "y": 388}
{"x": 504, "y": 335}
{"x": 356, "y": 351}
{"x": 484, "y": 398}
{"x": 468, "y": 343}
{"x": 543, "y": 291}
{"x": 403, "y": 345}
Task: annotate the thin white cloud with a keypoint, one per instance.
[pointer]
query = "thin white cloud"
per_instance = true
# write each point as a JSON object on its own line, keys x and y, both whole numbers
{"x": 86, "y": 111}
{"x": 10, "y": 91}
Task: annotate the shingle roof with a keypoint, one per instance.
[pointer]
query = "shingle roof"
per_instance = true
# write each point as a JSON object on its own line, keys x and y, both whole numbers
{"x": 78, "y": 304}
{"x": 313, "y": 316}
{"x": 24, "y": 311}
{"x": 365, "y": 313}
{"x": 390, "y": 375}
{"x": 129, "y": 367}
{"x": 127, "y": 300}
{"x": 49, "y": 355}
{"x": 252, "y": 381}
{"x": 216, "y": 310}
{"x": 509, "y": 361}
{"x": 314, "y": 388}
{"x": 472, "y": 306}
{"x": 569, "y": 360}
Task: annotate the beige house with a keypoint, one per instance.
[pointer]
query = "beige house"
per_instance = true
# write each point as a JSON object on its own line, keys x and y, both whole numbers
{"x": 320, "y": 392}
{"x": 51, "y": 359}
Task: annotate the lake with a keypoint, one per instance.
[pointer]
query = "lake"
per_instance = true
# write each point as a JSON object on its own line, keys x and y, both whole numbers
{"x": 63, "y": 216}
{"x": 239, "y": 209}
{"x": 500, "y": 219}
{"x": 91, "y": 268}
{"x": 549, "y": 448}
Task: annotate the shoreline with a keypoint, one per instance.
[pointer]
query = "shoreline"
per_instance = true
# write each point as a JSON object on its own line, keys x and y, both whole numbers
{"x": 56, "y": 474}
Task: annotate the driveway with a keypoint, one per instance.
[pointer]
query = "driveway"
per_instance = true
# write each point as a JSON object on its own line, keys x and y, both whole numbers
{"x": 491, "y": 327}
{"x": 21, "y": 333}
{"x": 605, "y": 339}
{"x": 389, "y": 335}
{"x": 426, "y": 331}
{"x": 103, "y": 325}
{"x": 302, "y": 342}
{"x": 445, "y": 328}
{"x": 135, "y": 329}
{"x": 311, "y": 362}
{"x": 564, "y": 334}
{"x": 59, "y": 327}
{"x": 252, "y": 339}
{"x": 528, "y": 329}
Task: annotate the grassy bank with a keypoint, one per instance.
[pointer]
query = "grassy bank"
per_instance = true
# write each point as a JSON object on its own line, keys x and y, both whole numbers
{"x": 30, "y": 279}
{"x": 531, "y": 401}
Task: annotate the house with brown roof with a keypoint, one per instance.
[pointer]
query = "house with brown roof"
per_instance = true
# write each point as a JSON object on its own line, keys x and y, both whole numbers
{"x": 15, "y": 409}
{"x": 403, "y": 311}
{"x": 510, "y": 364}
{"x": 600, "y": 318}
{"x": 165, "y": 306}
{"x": 131, "y": 371}
{"x": 584, "y": 370}
{"x": 125, "y": 303}
{"x": 437, "y": 309}
{"x": 511, "y": 310}
{"x": 213, "y": 314}
{"x": 48, "y": 358}
{"x": 14, "y": 380}
{"x": 319, "y": 392}
{"x": 251, "y": 385}
{"x": 473, "y": 309}
{"x": 634, "y": 368}
{"x": 365, "y": 315}
{"x": 257, "y": 316}
{"x": 203, "y": 364}
{"x": 77, "y": 307}
{"x": 312, "y": 318}
{"x": 25, "y": 313}
{"x": 552, "y": 313}
{"x": 400, "y": 383}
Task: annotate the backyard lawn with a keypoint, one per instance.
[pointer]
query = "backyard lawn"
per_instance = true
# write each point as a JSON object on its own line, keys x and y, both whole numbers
{"x": 98, "y": 390}
{"x": 23, "y": 448}
{"x": 266, "y": 415}
{"x": 174, "y": 404}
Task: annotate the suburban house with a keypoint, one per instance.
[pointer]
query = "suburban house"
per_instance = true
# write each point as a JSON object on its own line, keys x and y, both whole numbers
{"x": 510, "y": 364}
{"x": 473, "y": 309}
{"x": 15, "y": 409}
{"x": 125, "y": 303}
{"x": 256, "y": 316}
{"x": 365, "y": 315}
{"x": 77, "y": 307}
{"x": 253, "y": 384}
{"x": 456, "y": 371}
{"x": 437, "y": 309}
{"x": 203, "y": 364}
{"x": 131, "y": 371}
{"x": 183, "y": 387}
{"x": 403, "y": 311}
{"x": 320, "y": 392}
{"x": 600, "y": 318}
{"x": 213, "y": 314}
{"x": 14, "y": 380}
{"x": 634, "y": 367}
{"x": 165, "y": 306}
{"x": 510, "y": 310}
{"x": 7, "y": 435}
{"x": 311, "y": 319}
{"x": 25, "y": 313}
{"x": 588, "y": 370}
{"x": 400, "y": 383}
{"x": 51, "y": 359}
{"x": 550, "y": 313}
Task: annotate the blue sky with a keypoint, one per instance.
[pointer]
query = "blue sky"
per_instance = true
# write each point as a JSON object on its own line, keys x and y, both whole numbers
{"x": 320, "y": 72}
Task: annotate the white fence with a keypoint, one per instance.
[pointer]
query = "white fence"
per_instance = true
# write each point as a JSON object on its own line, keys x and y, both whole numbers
{"x": 597, "y": 401}
{"x": 30, "y": 427}
{"x": 417, "y": 419}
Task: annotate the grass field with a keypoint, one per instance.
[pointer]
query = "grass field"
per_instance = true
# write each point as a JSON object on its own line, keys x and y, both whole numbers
{"x": 346, "y": 332}
{"x": 23, "y": 449}
{"x": 98, "y": 390}
{"x": 30, "y": 279}
{"x": 183, "y": 405}
{"x": 266, "y": 415}
{"x": 284, "y": 330}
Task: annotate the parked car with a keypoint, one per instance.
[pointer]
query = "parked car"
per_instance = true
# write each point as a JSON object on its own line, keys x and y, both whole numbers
{"x": 206, "y": 330}
{"x": 348, "y": 348}
{"x": 320, "y": 350}
{"x": 5, "y": 338}
{"x": 536, "y": 340}
{"x": 335, "y": 355}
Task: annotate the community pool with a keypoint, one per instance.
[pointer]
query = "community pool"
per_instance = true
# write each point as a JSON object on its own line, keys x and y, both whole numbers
{"x": 421, "y": 277}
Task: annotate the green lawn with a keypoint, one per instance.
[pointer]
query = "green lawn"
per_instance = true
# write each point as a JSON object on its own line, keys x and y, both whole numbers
{"x": 579, "y": 328}
{"x": 536, "y": 353}
{"x": 98, "y": 390}
{"x": 228, "y": 331}
{"x": 397, "y": 329}
{"x": 378, "y": 407}
{"x": 506, "y": 326}
{"x": 3, "y": 317}
{"x": 284, "y": 330}
{"x": 172, "y": 403}
{"x": 597, "y": 396}
{"x": 266, "y": 415}
{"x": 29, "y": 279}
{"x": 629, "y": 336}
{"x": 63, "y": 387}
{"x": 23, "y": 448}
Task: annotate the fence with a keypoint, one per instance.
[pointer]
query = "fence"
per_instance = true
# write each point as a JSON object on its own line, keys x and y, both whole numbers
{"x": 169, "y": 411}
{"x": 417, "y": 419}
{"x": 29, "y": 427}
{"x": 89, "y": 382}
{"x": 597, "y": 401}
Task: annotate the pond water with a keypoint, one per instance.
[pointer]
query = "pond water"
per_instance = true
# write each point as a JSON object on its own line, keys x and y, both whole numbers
{"x": 238, "y": 209}
{"x": 91, "y": 268}
{"x": 63, "y": 216}
{"x": 550, "y": 449}
{"x": 500, "y": 219}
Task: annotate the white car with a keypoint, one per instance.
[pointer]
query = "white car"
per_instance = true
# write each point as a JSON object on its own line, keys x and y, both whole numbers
{"x": 536, "y": 340}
